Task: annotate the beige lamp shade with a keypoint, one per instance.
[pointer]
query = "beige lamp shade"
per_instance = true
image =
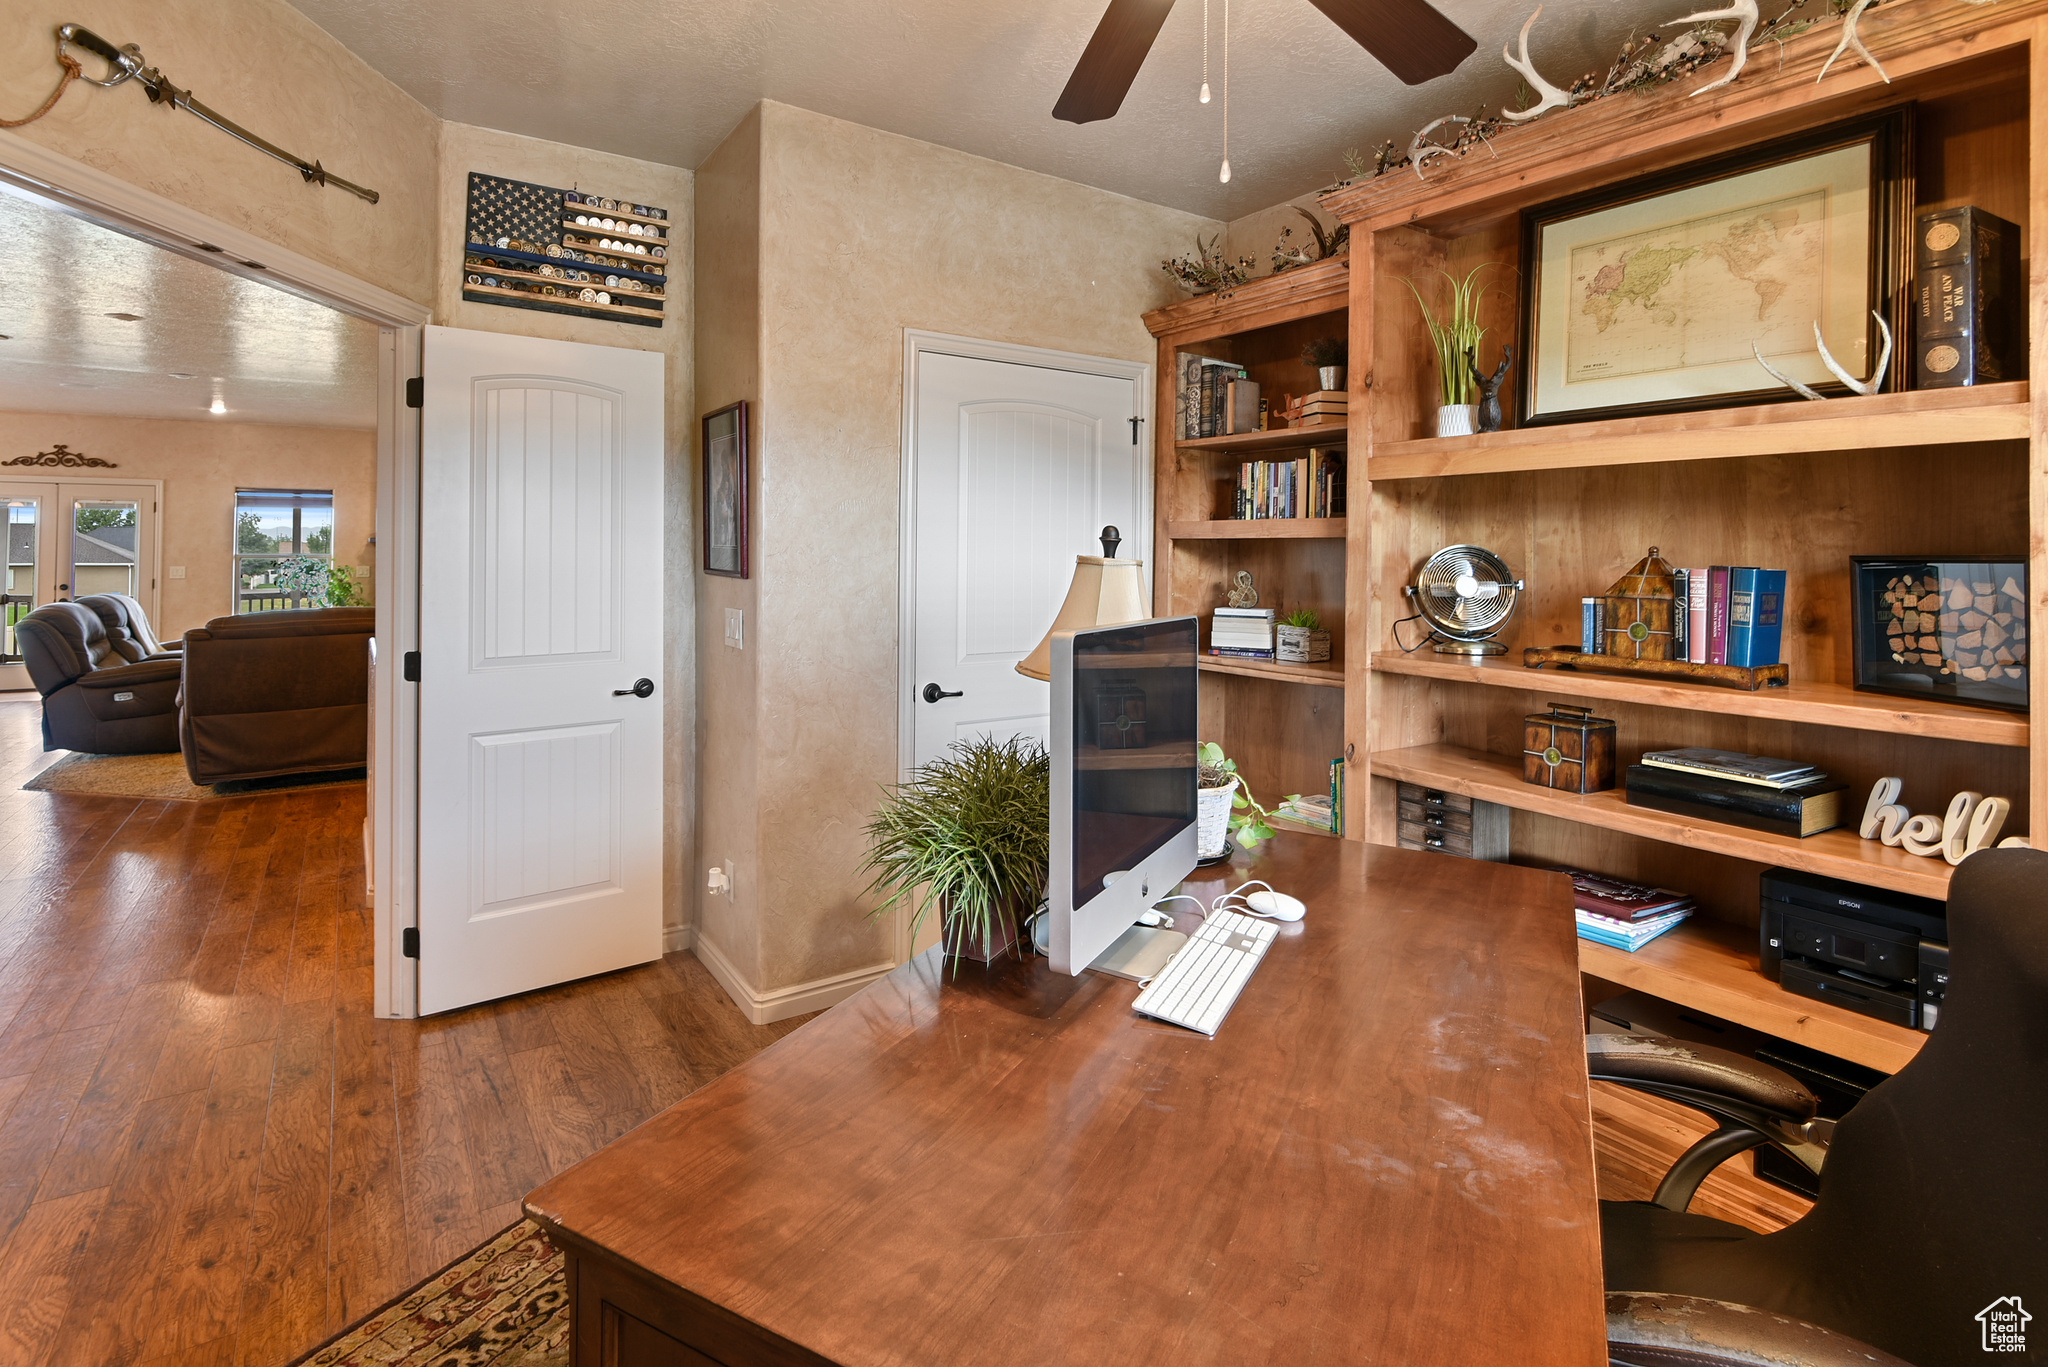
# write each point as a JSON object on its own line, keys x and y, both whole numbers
{"x": 1105, "y": 593}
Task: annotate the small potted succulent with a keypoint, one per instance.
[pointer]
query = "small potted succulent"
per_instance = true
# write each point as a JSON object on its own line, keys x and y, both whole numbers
{"x": 1300, "y": 638}
{"x": 969, "y": 833}
{"x": 1325, "y": 356}
{"x": 1222, "y": 797}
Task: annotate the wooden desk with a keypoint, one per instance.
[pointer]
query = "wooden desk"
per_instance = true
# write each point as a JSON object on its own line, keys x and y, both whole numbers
{"x": 1384, "y": 1156}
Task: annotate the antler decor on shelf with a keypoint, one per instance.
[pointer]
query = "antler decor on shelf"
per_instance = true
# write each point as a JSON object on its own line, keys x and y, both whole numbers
{"x": 1870, "y": 386}
{"x": 1550, "y": 96}
{"x": 1744, "y": 12}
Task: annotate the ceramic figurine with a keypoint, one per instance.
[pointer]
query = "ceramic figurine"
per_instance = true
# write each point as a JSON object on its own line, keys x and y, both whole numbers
{"x": 1489, "y": 389}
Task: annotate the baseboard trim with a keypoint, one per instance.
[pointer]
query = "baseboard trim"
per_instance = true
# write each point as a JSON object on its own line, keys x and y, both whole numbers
{"x": 676, "y": 939}
{"x": 765, "y": 1008}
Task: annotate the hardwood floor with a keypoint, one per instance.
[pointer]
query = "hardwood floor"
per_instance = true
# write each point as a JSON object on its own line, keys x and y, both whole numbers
{"x": 211, "y": 1153}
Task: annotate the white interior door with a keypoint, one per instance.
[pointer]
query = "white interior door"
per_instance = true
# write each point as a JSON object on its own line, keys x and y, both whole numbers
{"x": 540, "y": 611}
{"x": 1018, "y": 468}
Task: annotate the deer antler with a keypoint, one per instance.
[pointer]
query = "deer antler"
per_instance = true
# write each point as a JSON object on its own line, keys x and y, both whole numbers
{"x": 1852, "y": 39}
{"x": 1552, "y": 97}
{"x": 1884, "y": 359}
{"x": 1745, "y": 14}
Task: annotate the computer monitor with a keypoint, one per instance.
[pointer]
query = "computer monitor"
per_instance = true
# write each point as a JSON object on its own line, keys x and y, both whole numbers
{"x": 1123, "y": 779}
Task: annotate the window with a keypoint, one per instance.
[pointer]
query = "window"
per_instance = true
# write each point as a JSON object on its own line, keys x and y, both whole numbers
{"x": 284, "y": 541}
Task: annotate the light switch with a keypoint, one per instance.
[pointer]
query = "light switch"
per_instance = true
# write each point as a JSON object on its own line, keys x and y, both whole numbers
{"x": 735, "y": 628}
{"x": 176, "y": 571}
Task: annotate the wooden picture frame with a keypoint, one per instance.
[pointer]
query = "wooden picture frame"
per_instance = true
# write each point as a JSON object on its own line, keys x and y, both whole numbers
{"x": 725, "y": 490}
{"x": 1752, "y": 247}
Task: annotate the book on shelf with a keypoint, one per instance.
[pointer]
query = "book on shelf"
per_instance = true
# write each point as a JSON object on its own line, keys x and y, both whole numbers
{"x": 1717, "y": 615}
{"x": 1797, "y": 810}
{"x": 1240, "y": 653}
{"x": 1240, "y": 406}
{"x": 1696, "y": 614}
{"x": 1732, "y": 764}
{"x": 1681, "y": 617}
{"x": 1310, "y": 485}
{"x": 1337, "y": 795}
{"x": 1198, "y": 394}
{"x": 1310, "y": 809}
{"x": 1597, "y": 894}
{"x": 1756, "y": 608}
{"x": 1627, "y": 935}
{"x": 1969, "y": 299}
{"x": 1592, "y": 626}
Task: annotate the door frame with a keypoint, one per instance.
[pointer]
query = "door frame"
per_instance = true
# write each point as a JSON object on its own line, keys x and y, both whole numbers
{"x": 918, "y": 344}
{"x": 70, "y": 186}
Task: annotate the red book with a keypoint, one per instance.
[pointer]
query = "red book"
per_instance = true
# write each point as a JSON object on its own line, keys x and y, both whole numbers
{"x": 1717, "y": 615}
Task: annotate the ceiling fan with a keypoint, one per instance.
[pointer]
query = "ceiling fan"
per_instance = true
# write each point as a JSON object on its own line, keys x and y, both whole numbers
{"x": 1411, "y": 38}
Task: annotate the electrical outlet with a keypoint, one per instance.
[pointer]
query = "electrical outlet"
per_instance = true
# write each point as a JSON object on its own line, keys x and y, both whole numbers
{"x": 175, "y": 571}
{"x": 735, "y": 628}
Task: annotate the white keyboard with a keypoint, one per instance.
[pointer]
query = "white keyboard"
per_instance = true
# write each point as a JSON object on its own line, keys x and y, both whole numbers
{"x": 1200, "y": 983}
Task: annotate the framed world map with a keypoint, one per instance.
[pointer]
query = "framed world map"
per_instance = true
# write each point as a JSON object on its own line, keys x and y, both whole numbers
{"x": 1647, "y": 297}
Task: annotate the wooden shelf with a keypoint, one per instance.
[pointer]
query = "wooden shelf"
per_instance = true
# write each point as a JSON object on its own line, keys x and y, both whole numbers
{"x": 569, "y": 212}
{"x": 1329, "y": 674}
{"x": 569, "y": 222}
{"x": 1711, "y": 966}
{"x": 556, "y": 280}
{"x": 1838, "y": 853}
{"x": 1272, "y": 439}
{"x": 1818, "y": 704}
{"x": 653, "y": 316}
{"x": 1928, "y": 417}
{"x": 1259, "y": 529}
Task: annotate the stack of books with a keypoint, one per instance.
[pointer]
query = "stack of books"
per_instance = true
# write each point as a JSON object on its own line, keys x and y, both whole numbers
{"x": 1325, "y": 406}
{"x": 1242, "y": 633}
{"x": 1310, "y": 809}
{"x": 1612, "y": 911}
{"x": 1734, "y": 614}
{"x": 1308, "y": 486}
{"x": 1783, "y": 797}
{"x": 1202, "y": 397}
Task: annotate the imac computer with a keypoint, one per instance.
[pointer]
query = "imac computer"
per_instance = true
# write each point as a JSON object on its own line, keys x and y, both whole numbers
{"x": 1123, "y": 790}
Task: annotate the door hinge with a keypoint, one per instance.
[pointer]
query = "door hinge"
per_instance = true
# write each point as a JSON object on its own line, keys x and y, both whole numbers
{"x": 1134, "y": 430}
{"x": 416, "y": 392}
{"x": 409, "y": 942}
{"x": 411, "y": 666}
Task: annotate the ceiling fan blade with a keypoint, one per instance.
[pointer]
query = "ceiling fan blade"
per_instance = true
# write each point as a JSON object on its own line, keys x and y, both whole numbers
{"x": 1411, "y": 38}
{"x": 1111, "y": 60}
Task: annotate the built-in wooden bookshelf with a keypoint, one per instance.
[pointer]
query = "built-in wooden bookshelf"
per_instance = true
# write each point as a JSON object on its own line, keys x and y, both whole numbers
{"x": 1801, "y": 485}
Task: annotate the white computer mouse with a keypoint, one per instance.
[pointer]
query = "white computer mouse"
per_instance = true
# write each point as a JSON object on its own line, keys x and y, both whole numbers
{"x": 1277, "y": 905}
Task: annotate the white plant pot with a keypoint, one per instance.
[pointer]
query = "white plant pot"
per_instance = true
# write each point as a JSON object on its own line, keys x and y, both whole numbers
{"x": 1457, "y": 420}
{"x": 1212, "y": 819}
{"x": 1330, "y": 376}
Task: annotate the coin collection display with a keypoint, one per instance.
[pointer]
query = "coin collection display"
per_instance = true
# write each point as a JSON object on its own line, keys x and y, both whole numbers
{"x": 564, "y": 251}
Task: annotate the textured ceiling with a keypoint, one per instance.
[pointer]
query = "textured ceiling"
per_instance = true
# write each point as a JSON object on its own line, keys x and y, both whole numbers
{"x": 666, "y": 80}
{"x": 271, "y": 357}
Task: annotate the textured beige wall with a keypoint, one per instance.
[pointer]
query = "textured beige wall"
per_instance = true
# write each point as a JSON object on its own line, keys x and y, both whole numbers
{"x": 463, "y": 149}
{"x": 202, "y": 463}
{"x": 728, "y": 360}
{"x": 268, "y": 67}
{"x": 865, "y": 234}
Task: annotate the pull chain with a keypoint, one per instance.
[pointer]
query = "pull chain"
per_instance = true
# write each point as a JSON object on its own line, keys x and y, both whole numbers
{"x": 1224, "y": 176}
{"x": 1205, "y": 51}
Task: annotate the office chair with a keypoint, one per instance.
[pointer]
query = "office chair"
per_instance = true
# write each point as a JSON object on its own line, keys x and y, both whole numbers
{"x": 1933, "y": 1204}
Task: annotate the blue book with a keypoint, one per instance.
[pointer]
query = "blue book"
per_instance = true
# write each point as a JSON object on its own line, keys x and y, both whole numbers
{"x": 1767, "y": 616}
{"x": 1589, "y": 627}
{"x": 1741, "y": 612}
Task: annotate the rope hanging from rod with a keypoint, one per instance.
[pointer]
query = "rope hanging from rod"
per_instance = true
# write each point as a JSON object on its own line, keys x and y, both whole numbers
{"x": 126, "y": 63}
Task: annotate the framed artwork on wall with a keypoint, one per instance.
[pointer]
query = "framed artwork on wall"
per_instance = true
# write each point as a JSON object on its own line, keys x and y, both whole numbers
{"x": 725, "y": 491}
{"x": 1647, "y": 296}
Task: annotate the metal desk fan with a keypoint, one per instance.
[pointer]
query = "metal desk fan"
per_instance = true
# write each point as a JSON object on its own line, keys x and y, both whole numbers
{"x": 1466, "y": 595}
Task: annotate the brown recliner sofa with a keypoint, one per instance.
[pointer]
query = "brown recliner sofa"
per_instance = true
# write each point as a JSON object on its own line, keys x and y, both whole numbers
{"x": 93, "y": 699}
{"x": 268, "y": 693}
{"x": 128, "y": 628}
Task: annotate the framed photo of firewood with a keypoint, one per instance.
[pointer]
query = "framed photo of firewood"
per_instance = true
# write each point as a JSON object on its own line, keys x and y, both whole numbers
{"x": 1648, "y": 296}
{"x": 1950, "y": 628}
{"x": 725, "y": 491}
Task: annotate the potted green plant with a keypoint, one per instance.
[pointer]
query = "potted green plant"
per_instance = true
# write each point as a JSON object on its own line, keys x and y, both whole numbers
{"x": 1300, "y": 638}
{"x": 1325, "y": 355}
{"x": 969, "y": 833}
{"x": 1454, "y": 333}
{"x": 1216, "y": 773}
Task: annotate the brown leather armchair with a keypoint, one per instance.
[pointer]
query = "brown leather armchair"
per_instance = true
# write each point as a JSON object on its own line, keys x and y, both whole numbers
{"x": 93, "y": 700}
{"x": 269, "y": 693}
{"x": 128, "y": 628}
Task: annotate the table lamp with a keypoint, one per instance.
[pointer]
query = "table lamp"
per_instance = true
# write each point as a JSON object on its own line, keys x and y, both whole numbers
{"x": 1106, "y": 592}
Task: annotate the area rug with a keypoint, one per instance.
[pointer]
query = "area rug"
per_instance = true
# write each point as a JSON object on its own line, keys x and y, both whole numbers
{"x": 162, "y": 778}
{"x": 504, "y": 1305}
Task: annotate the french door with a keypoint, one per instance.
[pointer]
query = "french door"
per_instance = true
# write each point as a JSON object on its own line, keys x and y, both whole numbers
{"x": 70, "y": 539}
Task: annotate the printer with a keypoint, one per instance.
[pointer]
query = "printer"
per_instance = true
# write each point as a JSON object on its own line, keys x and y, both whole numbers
{"x": 1880, "y": 953}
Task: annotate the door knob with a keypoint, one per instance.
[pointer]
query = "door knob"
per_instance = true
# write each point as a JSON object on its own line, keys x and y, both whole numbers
{"x": 642, "y": 688}
{"x": 932, "y": 693}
